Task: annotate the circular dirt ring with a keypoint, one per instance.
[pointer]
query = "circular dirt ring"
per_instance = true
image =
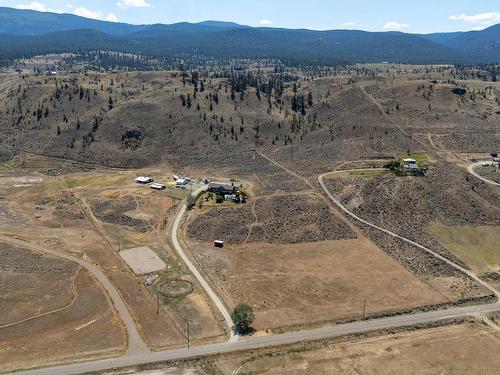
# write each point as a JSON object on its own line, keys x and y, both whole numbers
{"x": 176, "y": 288}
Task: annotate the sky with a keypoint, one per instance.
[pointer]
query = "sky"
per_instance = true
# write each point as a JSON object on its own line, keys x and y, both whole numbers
{"x": 415, "y": 16}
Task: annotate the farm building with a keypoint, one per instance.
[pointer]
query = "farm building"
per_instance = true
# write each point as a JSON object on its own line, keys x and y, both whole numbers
{"x": 409, "y": 165}
{"x": 223, "y": 189}
{"x": 157, "y": 186}
{"x": 143, "y": 180}
{"x": 181, "y": 182}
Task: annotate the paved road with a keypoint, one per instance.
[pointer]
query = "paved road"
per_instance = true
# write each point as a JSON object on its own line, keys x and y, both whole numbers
{"x": 208, "y": 289}
{"x": 135, "y": 343}
{"x": 471, "y": 167}
{"x": 354, "y": 216}
{"x": 265, "y": 341}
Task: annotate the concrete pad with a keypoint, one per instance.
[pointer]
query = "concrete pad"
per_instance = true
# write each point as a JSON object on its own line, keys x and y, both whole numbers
{"x": 142, "y": 260}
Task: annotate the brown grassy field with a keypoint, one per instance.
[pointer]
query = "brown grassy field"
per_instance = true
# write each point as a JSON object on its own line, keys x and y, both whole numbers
{"x": 304, "y": 284}
{"x": 52, "y": 312}
{"x": 478, "y": 247}
{"x": 461, "y": 349}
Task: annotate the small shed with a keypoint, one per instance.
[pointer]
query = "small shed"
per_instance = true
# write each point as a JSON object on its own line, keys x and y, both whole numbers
{"x": 143, "y": 180}
{"x": 219, "y": 243}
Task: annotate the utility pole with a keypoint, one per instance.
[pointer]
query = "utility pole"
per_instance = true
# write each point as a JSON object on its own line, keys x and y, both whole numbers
{"x": 189, "y": 344}
{"x": 364, "y": 307}
{"x": 119, "y": 249}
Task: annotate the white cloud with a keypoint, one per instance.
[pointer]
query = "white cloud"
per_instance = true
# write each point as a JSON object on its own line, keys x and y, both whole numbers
{"x": 349, "y": 24}
{"x": 112, "y": 17}
{"x": 123, "y": 4}
{"x": 95, "y": 14}
{"x": 87, "y": 13}
{"x": 478, "y": 21}
{"x": 395, "y": 26}
{"x": 265, "y": 22}
{"x": 35, "y": 5}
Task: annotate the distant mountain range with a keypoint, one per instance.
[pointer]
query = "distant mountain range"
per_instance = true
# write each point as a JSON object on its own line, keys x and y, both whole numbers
{"x": 24, "y": 33}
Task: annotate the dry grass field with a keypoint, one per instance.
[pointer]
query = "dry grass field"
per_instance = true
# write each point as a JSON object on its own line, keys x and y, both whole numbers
{"x": 52, "y": 312}
{"x": 310, "y": 283}
{"x": 456, "y": 350}
{"x": 478, "y": 247}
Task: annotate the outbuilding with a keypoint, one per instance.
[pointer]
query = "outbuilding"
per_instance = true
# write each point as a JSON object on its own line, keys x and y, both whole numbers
{"x": 219, "y": 243}
{"x": 181, "y": 182}
{"x": 143, "y": 180}
{"x": 157, "y": 186}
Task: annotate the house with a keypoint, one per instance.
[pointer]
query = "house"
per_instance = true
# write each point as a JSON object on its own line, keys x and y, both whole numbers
{"x": 157, "y": 186}
{"x": 219, "y": 243}
{"x": 143, "y": 180}
{"x": 219, "y": 188}
{"x": 409, "y": 165}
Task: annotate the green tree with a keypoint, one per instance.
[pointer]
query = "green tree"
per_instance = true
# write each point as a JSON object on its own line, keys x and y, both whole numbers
{"x": 190, "y": 202}
{"x": 243, "y": 318}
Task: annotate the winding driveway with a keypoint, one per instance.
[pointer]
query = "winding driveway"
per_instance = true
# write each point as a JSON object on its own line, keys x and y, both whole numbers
{"x": 471, "y": 274}
{"x": 208, "y": 289}
{"x": 471, "y": 167}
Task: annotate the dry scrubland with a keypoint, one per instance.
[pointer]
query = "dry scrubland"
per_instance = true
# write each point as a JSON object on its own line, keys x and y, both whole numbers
{"x": 417, "y": 207}
{"x": 460, "y": 349}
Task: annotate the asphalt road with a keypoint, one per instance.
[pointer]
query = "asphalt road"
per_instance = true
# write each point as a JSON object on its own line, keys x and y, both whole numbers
{"x": 471, "y": 167}
{"x": 265, "y": 341}
{"x": 208, "y": 289}
{"x": 135, "y": 342}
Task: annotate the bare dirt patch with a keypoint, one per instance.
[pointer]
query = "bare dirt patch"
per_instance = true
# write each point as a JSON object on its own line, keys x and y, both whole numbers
{"x": 142, "y": 260}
